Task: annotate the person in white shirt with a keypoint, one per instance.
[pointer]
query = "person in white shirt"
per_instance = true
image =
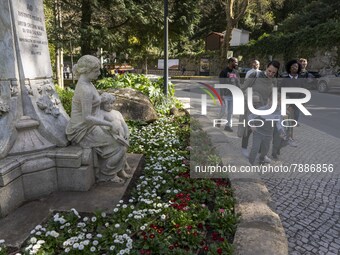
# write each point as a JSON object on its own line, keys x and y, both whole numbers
{"x": 255, "y": 68}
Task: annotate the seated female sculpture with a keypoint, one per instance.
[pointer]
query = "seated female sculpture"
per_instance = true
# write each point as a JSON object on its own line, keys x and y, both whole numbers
{"x": 88, "y": 128}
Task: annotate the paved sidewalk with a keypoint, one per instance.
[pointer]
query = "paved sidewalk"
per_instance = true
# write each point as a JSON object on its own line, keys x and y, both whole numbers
{"x": 308, "y": 204}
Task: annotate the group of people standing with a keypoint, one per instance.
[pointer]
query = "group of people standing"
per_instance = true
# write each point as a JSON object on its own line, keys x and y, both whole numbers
{"x": 67, "y": 71}
{"x": 262, "y": 83}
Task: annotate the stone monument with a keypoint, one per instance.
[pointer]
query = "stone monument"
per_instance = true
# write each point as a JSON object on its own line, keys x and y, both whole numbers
{"x": 34, "y": 159}
{"x": 32, "y": 118}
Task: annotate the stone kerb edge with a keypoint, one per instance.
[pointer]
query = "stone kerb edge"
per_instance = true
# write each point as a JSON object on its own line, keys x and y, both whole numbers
{"x": 260, "y": 230}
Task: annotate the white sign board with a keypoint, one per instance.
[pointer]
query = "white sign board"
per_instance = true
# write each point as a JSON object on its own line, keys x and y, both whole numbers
{"x": 172, "y": 64}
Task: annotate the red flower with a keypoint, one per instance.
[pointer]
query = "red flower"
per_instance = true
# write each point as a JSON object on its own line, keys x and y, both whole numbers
{"x": 215, "y": 234}
{"x": 171, "y": 247}
{"x": 189, "y": 227}
{"x": 219, "y": 250}
{"x": 152, "y": 236}
{"x": 206, "y": 248}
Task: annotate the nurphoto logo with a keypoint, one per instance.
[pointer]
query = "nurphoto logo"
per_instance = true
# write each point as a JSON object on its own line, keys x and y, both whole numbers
{"x": 239, "y": 104}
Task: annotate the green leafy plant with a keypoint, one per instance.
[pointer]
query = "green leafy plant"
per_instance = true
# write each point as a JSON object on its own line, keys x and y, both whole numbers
{"x": 65, "y": 96}
{"x": 3, "y": 249}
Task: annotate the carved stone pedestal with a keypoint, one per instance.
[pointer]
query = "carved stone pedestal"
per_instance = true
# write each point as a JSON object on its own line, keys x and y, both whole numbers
{"x": 34, "y": 175}
{"x": 103, "y": 196}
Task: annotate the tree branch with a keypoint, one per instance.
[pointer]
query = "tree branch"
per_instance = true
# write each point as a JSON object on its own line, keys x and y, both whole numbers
{"x": 119, "y": 25}
{"x": 243, "y": 8}
{"x": 229, "y": 10}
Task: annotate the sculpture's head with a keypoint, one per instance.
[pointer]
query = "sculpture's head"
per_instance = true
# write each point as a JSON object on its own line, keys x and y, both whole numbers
{"x": 87, "y": 64}
{"x": 107, "y": 101}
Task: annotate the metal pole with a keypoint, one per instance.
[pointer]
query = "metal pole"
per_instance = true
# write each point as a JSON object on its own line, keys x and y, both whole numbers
{"x": 61, "y": 50}
{"x": 166, "y": 28}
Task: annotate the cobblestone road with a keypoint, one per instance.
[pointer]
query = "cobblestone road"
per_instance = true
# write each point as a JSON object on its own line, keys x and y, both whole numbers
{"x": 308, "y": 204}
{"x": 309, "y": 207}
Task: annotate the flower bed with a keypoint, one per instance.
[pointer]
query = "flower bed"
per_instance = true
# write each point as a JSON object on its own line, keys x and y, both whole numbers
{"x": 167, "y": 213}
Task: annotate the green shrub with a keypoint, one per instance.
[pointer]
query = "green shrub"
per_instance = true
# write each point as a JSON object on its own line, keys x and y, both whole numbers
{"x": 65, "y": 96}
{"x": 152, "y": 89}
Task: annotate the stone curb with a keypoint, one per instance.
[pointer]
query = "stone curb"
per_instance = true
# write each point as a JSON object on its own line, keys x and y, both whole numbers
{"x": 259, "y": 230}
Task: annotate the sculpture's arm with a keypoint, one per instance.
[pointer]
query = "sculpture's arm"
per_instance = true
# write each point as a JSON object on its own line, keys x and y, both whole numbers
{"x": 126, "y": 128}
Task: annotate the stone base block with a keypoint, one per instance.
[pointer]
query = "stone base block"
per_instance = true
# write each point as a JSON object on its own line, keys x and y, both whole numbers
{"x": 75, "y": 179}
{"x": 70, "y": 156}
{"x": 39, "y": 183}
{"x": 11, "y": 196}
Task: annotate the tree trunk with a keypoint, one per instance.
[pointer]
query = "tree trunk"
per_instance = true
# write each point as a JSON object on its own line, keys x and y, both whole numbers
{"x": 234, "y": 14}
{"x": 59, "y": 63}
{"x": 86, "y": 15}
{"x": 226, "y": 42}
{"x": 146, "y": 65}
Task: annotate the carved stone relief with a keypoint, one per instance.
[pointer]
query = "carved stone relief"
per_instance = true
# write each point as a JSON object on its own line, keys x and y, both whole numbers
{"x": 28, "y": 87}
{"x": 4, "y": 98}
{"x": 4, "y": 107}
{"x": 14, "y": 88}
{"x": 48, "y": 101}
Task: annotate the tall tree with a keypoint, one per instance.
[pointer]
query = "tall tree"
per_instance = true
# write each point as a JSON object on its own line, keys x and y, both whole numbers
{"x": 260, "y": 17}
{"x": 143, "y": 36}
{"x": 85, "y": 24}
{"x": 212, "y": 19}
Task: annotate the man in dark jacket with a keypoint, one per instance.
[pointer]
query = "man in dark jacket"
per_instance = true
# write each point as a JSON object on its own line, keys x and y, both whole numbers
{"x": 229, "y": 75}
